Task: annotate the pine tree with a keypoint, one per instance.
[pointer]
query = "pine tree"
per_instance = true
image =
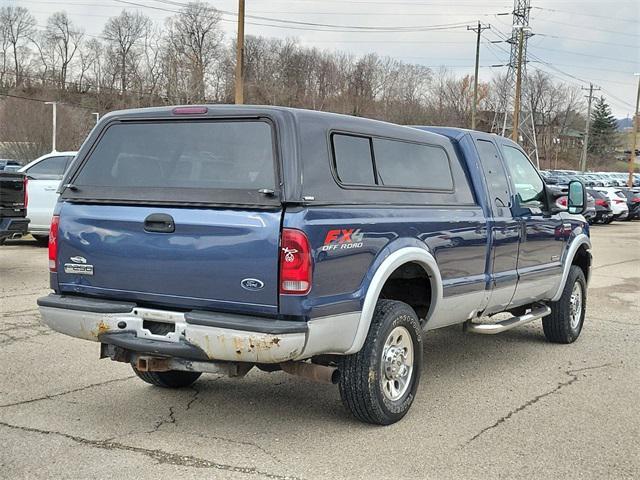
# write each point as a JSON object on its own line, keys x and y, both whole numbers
{"x": 602, "y": 134}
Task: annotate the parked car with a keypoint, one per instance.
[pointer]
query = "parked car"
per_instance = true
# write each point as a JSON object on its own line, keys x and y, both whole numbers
{"x": 184, "y": 248}
{"x": 633, "y": 202}
{"x": 618, "y": 202}
{"x": 4, "y": 163}
{"x": 602, "y": 204}
{"x": 44, "y": 176}
{"x": 13, "y": 205}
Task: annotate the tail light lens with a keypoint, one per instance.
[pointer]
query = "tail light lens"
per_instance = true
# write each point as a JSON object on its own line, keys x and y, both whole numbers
{"x": 561, "y": 202}
{"x": 615, "y": 200}
{"x": 53, "y": 243}
{"x": 635, "y": 200}
{"x": 295, "y": 263}
{"x": 601, "y": 202}
{"x": 26, "y": 193}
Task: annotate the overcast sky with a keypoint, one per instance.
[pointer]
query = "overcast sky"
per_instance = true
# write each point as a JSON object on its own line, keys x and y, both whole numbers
{"x": 576, "y": 41}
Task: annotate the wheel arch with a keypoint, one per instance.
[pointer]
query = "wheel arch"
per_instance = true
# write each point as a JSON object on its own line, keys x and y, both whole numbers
{"x": 392, "y": 261}
{"x": 578, "y": 253}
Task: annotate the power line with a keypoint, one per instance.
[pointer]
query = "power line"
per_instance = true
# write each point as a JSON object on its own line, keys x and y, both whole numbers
{"x": 555, "y": 10}
{"x": 576, "y": 39}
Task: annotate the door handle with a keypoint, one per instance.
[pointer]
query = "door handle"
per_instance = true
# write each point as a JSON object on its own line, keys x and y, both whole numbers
{"x": 50, "y": 189}
{"x": 159, "y": 223}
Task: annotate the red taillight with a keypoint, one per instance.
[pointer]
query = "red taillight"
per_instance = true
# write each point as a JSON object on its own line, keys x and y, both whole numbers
{"x": 295, "y": 262}
{"x": 635, "y": 200}
{"x": 601, "y": 202}
{"x": 53, "y": 243}
{"x": 26, "y": 193}
{"x": 190, "y": 110}
{"x": 615, "y": 200}
{"x": 561, "y": 202}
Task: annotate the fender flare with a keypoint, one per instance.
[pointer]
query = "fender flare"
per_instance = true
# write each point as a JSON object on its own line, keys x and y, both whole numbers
{"x": 579, "y": 240}
{"x": 418, "y": 255}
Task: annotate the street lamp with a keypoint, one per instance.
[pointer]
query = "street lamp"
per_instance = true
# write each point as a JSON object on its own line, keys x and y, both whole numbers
{"x": 97, "y": 115}
{"x": 634, "y": 137}
{"x": 53, "y": 135}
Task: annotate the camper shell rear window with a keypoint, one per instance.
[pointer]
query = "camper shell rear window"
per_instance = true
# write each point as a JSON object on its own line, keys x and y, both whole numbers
{"x": 205, "y": 161}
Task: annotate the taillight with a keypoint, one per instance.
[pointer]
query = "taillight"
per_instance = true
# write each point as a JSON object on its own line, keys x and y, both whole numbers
{"x": 53, "y": 243}
{"x": 26, "y": 193}
{"x": 615, "y": 200}
{"x": 295, "y": 262}
{"x": 635, "y": 200}
{"x": 561, "y": 202}
{"x": 601, "y": 202}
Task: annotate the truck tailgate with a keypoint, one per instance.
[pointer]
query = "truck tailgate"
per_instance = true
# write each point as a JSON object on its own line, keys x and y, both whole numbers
{"x": 217, "y": 258}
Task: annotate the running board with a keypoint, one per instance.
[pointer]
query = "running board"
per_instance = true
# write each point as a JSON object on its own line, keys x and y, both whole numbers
{"x": 536, "y": 313}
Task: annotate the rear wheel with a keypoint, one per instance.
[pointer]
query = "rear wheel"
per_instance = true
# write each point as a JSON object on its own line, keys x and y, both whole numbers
{"x": 564, "y": 324}
{"x": 378, "y": 384}
{"x": 43, "y": 240}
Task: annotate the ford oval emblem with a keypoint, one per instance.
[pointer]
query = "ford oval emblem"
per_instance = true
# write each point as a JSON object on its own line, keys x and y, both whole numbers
{"x": 252, "y": 284}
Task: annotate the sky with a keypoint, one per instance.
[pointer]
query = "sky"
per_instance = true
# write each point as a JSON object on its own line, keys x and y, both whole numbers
{"x": 578, "y": 42}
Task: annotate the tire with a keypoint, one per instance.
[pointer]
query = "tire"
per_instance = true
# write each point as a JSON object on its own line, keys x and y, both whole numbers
{"x": 43, "y": 240}
{"x": 371, "y": 393}
{"x": 170, "y": 379}
{"x": 562, "y": 326}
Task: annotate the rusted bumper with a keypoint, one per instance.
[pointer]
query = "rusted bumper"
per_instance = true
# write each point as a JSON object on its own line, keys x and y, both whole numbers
{"x": 196, "y": 335}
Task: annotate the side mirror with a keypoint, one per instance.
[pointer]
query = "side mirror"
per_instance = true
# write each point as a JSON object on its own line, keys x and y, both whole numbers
{"x": 576, "y": 201}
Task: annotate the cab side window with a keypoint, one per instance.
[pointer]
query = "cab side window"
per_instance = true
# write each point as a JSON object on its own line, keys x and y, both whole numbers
{"x": 527, "y": 181}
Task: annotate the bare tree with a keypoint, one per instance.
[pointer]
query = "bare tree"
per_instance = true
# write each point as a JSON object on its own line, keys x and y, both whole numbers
{"x": 123, "y": 34}
{"x": 19, "y": 25}
{"x": 195, "y": 38}
{"x": 65, "y": 40}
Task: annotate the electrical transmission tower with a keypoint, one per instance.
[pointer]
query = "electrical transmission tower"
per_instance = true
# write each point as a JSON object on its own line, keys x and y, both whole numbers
{"x": 512, "y": 108}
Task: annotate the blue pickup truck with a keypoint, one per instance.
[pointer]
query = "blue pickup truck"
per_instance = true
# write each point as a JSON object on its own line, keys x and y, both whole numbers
{"x": 215, "y": 239}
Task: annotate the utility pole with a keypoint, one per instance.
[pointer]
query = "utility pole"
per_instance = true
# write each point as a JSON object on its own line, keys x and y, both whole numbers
{"x": 634, "y": 138}
{"x": 516, "y": 101}
{"x": 53, "y": 128}
{"x": 240, "y": 55}
{"x": 474, "y": 108}
{"x": 585, "y": 145}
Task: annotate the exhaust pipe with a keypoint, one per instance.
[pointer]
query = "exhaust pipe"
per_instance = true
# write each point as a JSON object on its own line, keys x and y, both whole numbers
{"x": 311, "y": 371}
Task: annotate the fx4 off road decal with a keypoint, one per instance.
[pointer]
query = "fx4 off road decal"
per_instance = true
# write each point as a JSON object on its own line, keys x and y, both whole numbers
{"x": 342, "y": 239}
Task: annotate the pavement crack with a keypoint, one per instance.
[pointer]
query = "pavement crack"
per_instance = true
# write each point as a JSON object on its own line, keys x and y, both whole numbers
{"x": 158, "y": 455}
{"x": 171, "y": 419}
{"x": 66, "y": 392}
{"x": 196, "y": 392}
{"x": 574, "y": 378}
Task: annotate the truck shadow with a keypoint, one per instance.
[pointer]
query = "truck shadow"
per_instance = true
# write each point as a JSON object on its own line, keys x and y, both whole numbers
{"x": 450, "y": 356}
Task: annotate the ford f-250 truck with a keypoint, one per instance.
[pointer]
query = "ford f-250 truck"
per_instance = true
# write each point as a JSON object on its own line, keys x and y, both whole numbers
{"x": 219, "y": 238}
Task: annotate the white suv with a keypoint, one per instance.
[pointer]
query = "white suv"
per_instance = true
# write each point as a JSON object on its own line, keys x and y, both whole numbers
{"x": 44, "y": 175}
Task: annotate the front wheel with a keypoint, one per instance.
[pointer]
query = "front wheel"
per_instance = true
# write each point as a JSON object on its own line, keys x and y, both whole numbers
{"x": 564, "y": 323}
{"x": 379, "y": 383}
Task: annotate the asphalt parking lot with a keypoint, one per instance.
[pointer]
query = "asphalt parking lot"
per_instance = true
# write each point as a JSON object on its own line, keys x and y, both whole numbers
{"x": 505, "y": 406}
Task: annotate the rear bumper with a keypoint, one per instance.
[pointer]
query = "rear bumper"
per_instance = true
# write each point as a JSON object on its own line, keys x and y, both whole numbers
{"x": 11, "y": 226}
{"x": 198, "y": 335}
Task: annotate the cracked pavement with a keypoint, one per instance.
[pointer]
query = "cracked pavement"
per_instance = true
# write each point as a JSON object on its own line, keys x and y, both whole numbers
{"x": 504, "y": 406}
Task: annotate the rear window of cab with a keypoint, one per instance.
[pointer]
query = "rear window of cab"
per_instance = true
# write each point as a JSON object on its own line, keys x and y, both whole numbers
{"x": 386, "y": 163}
